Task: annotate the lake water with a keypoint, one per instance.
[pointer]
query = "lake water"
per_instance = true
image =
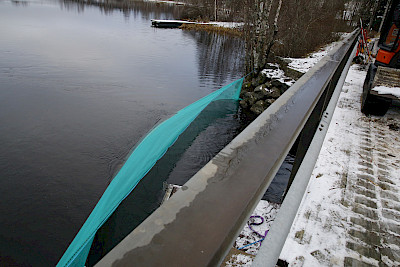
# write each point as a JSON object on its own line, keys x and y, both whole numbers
{"x": 79, "y": 86}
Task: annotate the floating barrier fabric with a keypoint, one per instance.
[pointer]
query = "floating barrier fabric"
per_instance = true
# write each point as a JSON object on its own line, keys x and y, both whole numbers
{"x": 138, "y": 164}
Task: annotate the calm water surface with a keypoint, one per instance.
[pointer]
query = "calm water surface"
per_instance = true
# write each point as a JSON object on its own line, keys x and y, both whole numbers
{"x": 79, "y": 86}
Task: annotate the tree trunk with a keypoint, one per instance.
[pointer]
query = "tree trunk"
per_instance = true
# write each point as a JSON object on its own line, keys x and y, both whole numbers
{"x": 384, "y": 15}
{"x": 215, "y": 6}
{"x": 262, "y": 9}
{"x": 264, "y": 30}
{"x": 271, "y": 43}
{"x": 371, "y": 20}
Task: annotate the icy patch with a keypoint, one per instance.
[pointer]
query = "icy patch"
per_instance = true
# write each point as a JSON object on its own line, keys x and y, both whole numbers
{"x": 383, "y": 90}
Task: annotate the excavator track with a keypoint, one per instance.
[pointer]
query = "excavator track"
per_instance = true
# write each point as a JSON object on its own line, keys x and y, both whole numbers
{"x": 388, "y": 77}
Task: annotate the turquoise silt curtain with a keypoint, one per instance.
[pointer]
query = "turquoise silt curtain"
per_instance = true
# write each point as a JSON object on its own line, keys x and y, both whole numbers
{"x": 141, "y": 160}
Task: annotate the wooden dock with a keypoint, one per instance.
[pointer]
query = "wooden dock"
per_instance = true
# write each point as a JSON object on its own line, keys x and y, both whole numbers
{"x": 164, "y": 23}
{"x": 160, "y": 23}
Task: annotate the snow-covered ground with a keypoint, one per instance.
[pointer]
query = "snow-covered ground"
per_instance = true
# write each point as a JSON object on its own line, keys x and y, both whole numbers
{"x": 248, "y": 242}
{"x": 350, "y": 213}
{"x": 304, "y": 64}
{"x": 355, "y": 178}
{"x": 299, "y": 64}
{"x": 246, "y": 245}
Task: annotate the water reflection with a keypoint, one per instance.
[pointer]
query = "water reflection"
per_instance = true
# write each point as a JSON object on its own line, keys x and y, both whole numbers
{"x": 220, "y": 57}
{"x": 218, "y": 54}
{"x": 144, "y": 9}
{"x": 78, "y": 90}
{"x": 19, "y": 3}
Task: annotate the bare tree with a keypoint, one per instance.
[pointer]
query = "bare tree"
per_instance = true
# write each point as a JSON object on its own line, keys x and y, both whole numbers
{"x": 289, "y": 28}
{"x": 273, "y": 39}
{"x": 257, "y": 30}
{"x": 372, "y": 15}
{"x": 384, "y": 14}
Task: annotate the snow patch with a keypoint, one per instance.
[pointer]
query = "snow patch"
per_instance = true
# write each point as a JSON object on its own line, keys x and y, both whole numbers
{"x": 304, "y": 64}
{"x": 277, "y": 74}
{"x": 231, "y": 25}
{"x": 239, "y": 260}
{"x": 276, "y": 65}
{"x": 383, "y": 90}
{"x": 300, "y": 64}
{"x": 252, "y": 235}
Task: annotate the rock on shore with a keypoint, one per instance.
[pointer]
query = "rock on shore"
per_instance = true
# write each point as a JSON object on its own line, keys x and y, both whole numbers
{"x": 260, "y": 92}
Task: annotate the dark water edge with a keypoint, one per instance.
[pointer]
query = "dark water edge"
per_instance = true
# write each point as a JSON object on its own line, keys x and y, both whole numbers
{"x": 278, "y": 185}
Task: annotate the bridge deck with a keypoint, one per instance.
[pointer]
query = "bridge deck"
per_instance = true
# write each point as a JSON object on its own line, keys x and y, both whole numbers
{"x": 350, "y": 215}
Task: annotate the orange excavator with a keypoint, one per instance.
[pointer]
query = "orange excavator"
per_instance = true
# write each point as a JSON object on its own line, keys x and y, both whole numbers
{"x": 382, "y": 83}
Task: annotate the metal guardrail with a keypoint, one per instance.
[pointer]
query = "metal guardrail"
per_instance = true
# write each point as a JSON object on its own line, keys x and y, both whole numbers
{"x": 199, "y": 224}
{"x": 271, "y": 248}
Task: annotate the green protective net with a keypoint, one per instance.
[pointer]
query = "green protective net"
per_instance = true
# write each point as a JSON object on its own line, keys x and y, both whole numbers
{"x": 138, "y": 164}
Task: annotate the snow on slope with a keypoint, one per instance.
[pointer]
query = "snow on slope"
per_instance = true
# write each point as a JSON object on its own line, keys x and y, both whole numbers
{"x": 304, "y": 64}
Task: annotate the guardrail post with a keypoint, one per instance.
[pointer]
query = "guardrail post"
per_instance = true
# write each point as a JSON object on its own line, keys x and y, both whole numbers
{"x": 272, "y": 245}
{"x": 312, "y": 123}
